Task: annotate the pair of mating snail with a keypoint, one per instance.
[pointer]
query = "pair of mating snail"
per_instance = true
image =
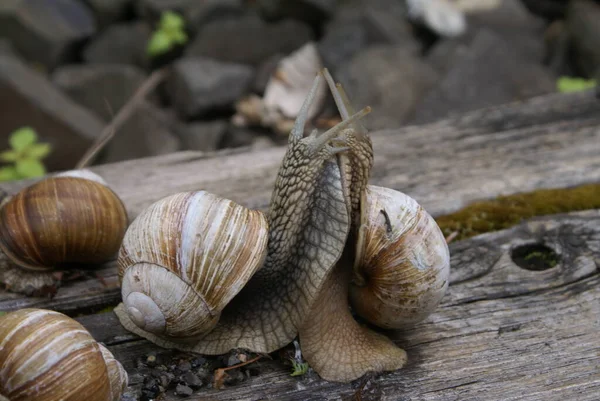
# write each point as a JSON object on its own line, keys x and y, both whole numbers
{"x": 204, "y": 274}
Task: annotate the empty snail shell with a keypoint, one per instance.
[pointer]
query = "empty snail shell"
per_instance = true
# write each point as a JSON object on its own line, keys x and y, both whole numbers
{"x": 184, "y": 258}
{"x": 48, "y": 356}
{"x": 405, "y": 265}
{"x": 72, "y": 217}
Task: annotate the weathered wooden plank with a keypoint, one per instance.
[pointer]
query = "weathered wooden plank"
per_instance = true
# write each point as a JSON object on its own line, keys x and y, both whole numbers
{"x": 551, "y": 141}
{"x": 501, "y": 333}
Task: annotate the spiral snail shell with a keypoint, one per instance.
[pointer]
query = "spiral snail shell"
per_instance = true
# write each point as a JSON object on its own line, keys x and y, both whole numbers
{"x": 331, "y": 239}
{"x": 47, "y": 356}
{"x": 184, "y": 258}
{"x": 71, "y": 217}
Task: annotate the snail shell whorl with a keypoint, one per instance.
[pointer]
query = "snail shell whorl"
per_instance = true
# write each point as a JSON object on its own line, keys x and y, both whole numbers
{"x": 62, "y": 219}
{"x": 185, "y": 257}
{"x": 48, "y": 356}
{"x": 406, "y": 261}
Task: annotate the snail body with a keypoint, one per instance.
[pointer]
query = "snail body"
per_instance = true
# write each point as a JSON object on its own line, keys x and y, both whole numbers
{"x": 72, "y": 217}
{"x": 47, "y": 356}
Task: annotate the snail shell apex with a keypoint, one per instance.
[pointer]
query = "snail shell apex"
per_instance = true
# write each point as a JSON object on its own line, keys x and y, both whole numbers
{"x": 405, "y": 261}
{"x": 47, "y": 356}
{"x": 73, "y": 217}
{"x": 185, "y": 257}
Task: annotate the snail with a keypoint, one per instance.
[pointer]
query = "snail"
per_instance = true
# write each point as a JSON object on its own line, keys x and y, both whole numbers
{"x": 69, "y": 218}
{"x": 48, "y": 356}
{"x": 327, "y": 238}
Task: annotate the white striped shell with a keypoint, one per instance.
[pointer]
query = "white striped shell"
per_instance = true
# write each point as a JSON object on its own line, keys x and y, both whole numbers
{"x": 47, "y": 356}
{"x": 405, "y": 262}
{"x": 184, "y": 258}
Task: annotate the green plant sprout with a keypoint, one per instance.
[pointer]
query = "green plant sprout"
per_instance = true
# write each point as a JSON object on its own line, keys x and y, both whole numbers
{"x": 571, "y": 84}
{"x": 25, "y": 156}
{"x": 170, "y": 32}
{"x": 300, "y": 368}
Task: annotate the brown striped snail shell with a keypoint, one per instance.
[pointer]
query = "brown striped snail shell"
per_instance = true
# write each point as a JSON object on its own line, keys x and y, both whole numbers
{"x": 404, "y": 268}
{"x": 72, "y": 217}
{"x": 184, "y": 258}
{"x": 47, "y": 356}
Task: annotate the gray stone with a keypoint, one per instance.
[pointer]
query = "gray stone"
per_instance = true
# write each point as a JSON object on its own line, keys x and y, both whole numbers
{"x": 512, "y": 22}
{"x": 236, "y": 137}
{"x": 27, "y": 98}
{"x": 311, "y": 11}
{"x": 198, "y": 85}
{"x": 6, "y": 47}
{"x": 109, "y": 11}
{"x": 152, "y": 9}
{"x": 248, "y": 39}
{"x": 121, "y": 44}
{"x": 47, "y": 32}
{"x": 102, "y": 88}
{"x": 491, "y": 73}
{"x": 386, "y": 22}
{"x": 148, "y": 132}
{"x": 342, "y": 40}
{"x": 200, "y": 13}
{"x": 390, "y": 80}
{"x": 264, "y": 72}
{"x": 583, "y": 25}
{"x": 183, "y": 390}
{"x": 445, "y": 53}
{"x": 202, "y": 135}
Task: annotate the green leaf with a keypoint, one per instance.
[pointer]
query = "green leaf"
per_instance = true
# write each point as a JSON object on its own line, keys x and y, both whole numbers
{"x": 159, "y": 43}
{"x": 29, "y": 168}
{"x": 9, "y": 156}
{"x": 22, "y": 138}
{"x": 171, "y": 20}
{"x": 8, "y": 173}
{"x": 300, "y": 368}
{"x": 571, "y": 84}
{"x": 39, "y": 150}
{"x": 178, "y": 37}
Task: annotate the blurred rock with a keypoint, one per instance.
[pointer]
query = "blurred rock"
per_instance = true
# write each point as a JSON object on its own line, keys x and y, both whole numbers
{"x": 46, "y": 31}
{"x": 102, "y": 88}
{"x": 110, "y": 11}
{"x": 558, "y": 49}
{"x": 7, "y": 48}
{"x": 236, "y": 137}
{"x": 198, "y": 85}
{"x": 27, "y": 98}
{"x": 386, "y": 21}
{"x": 551, "y": 9}
{"x": 202, "y": 135}
{"x": 514, "y": 24}
{"x": 148, "y": 132}
{"x": 200, "y": 13}
{"x": 445, "y": 53}
{"x": 490, "y": 73}
{"x": 311, "y": 11}
{"x": 151, "y": 9}
{"x": 583, "y": 25}
{"x": 342, "y": 40}
{"x": 390, "y": 80}
{"x": 264, "y": 72}
{"x": 120, "y": 44}
{"x": 248, "y": 39}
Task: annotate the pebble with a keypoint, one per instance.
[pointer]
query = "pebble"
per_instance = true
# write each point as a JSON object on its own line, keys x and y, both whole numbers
{"x": 184, "y": 391}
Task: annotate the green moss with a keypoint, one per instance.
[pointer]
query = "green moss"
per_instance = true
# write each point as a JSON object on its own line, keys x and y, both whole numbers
{"x": 507, "y": 211}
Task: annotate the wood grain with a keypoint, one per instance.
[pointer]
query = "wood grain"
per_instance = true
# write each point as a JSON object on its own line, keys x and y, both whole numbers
{"x": 501, "y": 333}
{"x": 546, "y": 142}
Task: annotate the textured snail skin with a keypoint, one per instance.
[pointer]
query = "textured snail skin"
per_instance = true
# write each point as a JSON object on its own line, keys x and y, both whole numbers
{"x": 47, "y": 356}
{"x": 62, "y": 220}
